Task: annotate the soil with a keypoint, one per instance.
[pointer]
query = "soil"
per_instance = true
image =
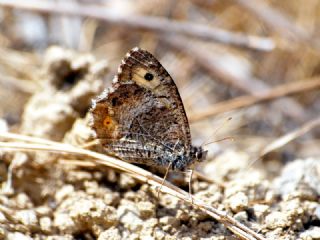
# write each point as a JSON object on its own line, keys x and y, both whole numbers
{"x": 48, "y": 198}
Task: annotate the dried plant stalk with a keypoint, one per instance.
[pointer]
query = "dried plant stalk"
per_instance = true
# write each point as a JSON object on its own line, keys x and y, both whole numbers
{"x": 138, "y": 173}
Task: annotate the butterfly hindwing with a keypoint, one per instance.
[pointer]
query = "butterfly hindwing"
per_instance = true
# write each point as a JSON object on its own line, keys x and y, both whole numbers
{"x": 142, "y": 116}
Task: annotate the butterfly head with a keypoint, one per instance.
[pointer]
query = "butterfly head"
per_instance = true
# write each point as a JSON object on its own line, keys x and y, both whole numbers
{"x": 185, "y": 159}
{"x": 198, "y": 154}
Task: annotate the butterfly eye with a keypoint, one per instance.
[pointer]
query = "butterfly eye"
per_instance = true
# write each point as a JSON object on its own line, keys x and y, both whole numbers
{"x": 114, "y": 101}
{"x": 148, "y": 76}
{"x": 199, "y": 155}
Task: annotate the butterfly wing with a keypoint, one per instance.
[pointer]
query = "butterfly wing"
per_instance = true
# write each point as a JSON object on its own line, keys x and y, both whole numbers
{"x": 142, "y": 115}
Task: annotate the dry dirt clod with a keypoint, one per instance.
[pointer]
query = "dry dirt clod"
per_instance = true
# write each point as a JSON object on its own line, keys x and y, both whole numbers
{"x": 300, "y": 178}
{"x": 146, "y": 209}
{"x": 18, "y": 236}
{"x": 238, "y": 202}
{"x": 110, "y": 234}
{"x": 312, "y": 233}
{"x": 277, "y": 220}
{"x": 79, "y": 214}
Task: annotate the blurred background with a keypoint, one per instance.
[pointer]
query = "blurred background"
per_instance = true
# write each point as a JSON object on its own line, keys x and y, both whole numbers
{"x": 249, "y": 76}
{"x": 256, "y": 62}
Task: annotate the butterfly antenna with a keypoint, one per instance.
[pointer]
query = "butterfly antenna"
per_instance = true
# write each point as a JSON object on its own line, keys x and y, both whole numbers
{"x": 215, "y": 133}
{"x": 219, "y": 140}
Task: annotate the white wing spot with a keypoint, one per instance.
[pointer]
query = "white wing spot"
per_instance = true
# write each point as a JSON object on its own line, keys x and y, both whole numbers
{"x": 120, "y": 69}
{"x": 115, "y": 79}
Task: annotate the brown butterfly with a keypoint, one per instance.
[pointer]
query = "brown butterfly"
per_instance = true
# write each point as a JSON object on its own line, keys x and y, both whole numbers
{"x": 141, "y": 118}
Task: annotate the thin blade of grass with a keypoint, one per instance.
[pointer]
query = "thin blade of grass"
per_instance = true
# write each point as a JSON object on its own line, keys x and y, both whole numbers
{"x": 280, "y": 142}
{"x": 136, "y": 172}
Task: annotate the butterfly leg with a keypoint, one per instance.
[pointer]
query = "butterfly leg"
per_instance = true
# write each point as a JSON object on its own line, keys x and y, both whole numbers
{"x": 88, "y": 145}
{"x": 190, "y": 187}
{"x": 164, "y": 178}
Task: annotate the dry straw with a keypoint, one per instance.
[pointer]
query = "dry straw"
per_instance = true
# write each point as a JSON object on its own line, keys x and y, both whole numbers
{"x": 38, "y": 144}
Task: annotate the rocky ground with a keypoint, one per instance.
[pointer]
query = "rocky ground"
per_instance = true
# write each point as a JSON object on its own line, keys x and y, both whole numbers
{"x": 51, "y": 197}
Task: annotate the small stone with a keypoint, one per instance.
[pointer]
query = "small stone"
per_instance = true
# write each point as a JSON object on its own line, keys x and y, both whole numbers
{"x": 45, "y": 224}
{"x": 110, "y": 234}
{"x": 147, "y": 238}
{"x": 90, "y": 186}
{"x": 159, "y": 234}
{"x": 293, "y": 207}
{"x": 76, "y": 215}
{"x": 312, "y": 233}
{"x": 129, "y": 216}
{"x": 169, "y": 222}
{"x": 182, "y": 215}
{"x": 27, "y": 218}
{"x": 111, "y": 198}
{"x": 260, "y": 210}
{"x": 83, "y": 176}
{"x": 205, "y": 226}
{"x": 3, "y": 233}
{"x": 211, "y": 196}
{"x": 270, "y": 196}
{"x": 317, "y": 212}
{"x": 134, "y": 236}
{"x": 149, "y": 226}
{"x": 238, "y": 202}
{"x": 241, "y": 216}
{"x": 64, "y": 192}
{"x": 43, "y": 211}
{"x": 132, "y": 222}
{"x": 299, "y": 178}
{"x": 23, "y": 201}
{"x": 64, "y": 223}
{"x": 276, "y": 220}
{"x": 126, "y": 181}
{"x": 95, "y": 211}
{"x": 147, "y": 209}
{"x": 3, "y": 218}
{"x": 18, "y": 236}
{"x": 60, "y": 237}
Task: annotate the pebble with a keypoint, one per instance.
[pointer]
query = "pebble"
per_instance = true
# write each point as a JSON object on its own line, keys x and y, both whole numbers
{"x": 312, "y": 233}
{"x": 276, "y": 220}
{"x": 238, "y": 202}
{"x": 110, "y": 234}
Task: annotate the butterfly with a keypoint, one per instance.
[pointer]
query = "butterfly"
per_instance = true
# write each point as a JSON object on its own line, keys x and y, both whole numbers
{"x": 141, "y": 118}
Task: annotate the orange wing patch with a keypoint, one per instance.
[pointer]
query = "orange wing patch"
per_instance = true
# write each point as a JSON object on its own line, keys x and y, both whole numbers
{"x": 111, "y": 125}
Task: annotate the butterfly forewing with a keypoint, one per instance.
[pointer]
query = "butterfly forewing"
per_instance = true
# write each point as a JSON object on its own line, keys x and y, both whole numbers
{"x": 141, "y": 118}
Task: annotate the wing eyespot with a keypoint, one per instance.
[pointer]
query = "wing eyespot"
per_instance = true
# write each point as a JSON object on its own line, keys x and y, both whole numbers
{"x": 148, "y": 76}
{"x": 107, "y": 122}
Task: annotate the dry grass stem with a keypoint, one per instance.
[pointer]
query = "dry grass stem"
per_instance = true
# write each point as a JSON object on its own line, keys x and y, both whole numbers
{"x": 209, "y": 62}
{"x": 155, "y": 24}
{"x": 138, "y": 173}
{"x": 246, "y": 101}
{"x": 277, "y": 21}
{"x": 281, "y": 141}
